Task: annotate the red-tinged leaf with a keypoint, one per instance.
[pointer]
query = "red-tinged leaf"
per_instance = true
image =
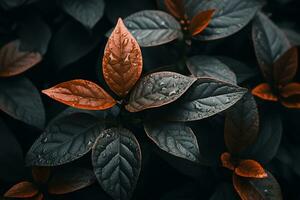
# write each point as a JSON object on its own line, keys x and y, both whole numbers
{"x": 257, "y": 189}
{"x": 226, "y": 161}
{"x": 40, "y": 196}
{"x": 13, "y": 61}
{"x": 22, "y": 190}
{"x": 200, "y": 21}
{"x": 264, "y": 91}
{"x": 122, "y": 61}
{"x": 81, "y": 94}
{"x": 40, "y": 174}
{"x": 250, "y": 169}
{"x": 176, "y": 8}
{"x": 285, "y": 68}
{"x": 70, "y": 180}
{"x": 291, "y": 95}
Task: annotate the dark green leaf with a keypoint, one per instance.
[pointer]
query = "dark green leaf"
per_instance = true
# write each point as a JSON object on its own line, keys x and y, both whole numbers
{"x": 116, "y": 159}
{"x": 9, "y": 4}
{"x": 11, "y": 155}
{"x": 87, "y": 12}
{"x": 264, "y": 189}
{"x": 205, "y": 98}
{"x": 65, "y": 139}
{"x": 174, "y": 138}
{"x": 158, "y": 89}
{"x": 266, "y": 145}
{"x": 153, "y": 27}
{"x": 241, "y": 124}
{"x": 68, "y": 180}
{"x": 230, "y": 16}
{"x": 269, "y": 43}
{"x": 211, "y": 67}
{"x": 20, "y": 99}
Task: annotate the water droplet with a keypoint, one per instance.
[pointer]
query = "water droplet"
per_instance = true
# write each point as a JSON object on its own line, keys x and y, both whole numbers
{"x": 265, "y": 190}
{"x": 103, "y": 155}
{"x": 172, "y": 92}
{"x": 90, "y": 143}
{"x": 45, "y": 140}
{"x": 161, "y": 83}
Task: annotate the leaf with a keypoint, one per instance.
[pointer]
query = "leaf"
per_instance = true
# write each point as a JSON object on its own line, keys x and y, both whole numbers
{"x": 250, "y": 169}
{"x": 40, "y": 174}
{"x": 176, "y": 8}
{"x": 65, "y": 139}
{"x": 11, "y": 159}
{"x": 241, "y": 70}
{"x": 70, "y": 180}
{"x": 158, "y": 89}
{"x": 9, "y": 4}
{"x": 87, "y": 12}
{"x": 206, "y": 66}
{"x": 34, "y": 34}
{"x": 200, "y": 21}
{"x": 205, "y": 98}
{"x": 259, "y": 189}
{"x": 229, "y": 17}
{"x": 264, "y": 92}
{"x": 22, "y": 190}
{"x": 174, "y": 138}
{"x": 116, "y": 159}
{"x": 291, "y": 95}
{"x": 122, "y": 61}
{"x": 153, "y": 27}
{"x": 81, "y": 94}
{"x": 285, "y": 67}
{"x": 267, "y": 143}
{"x": 14, "y": 61}
{"x": 227, "y": 161}
{"x": 21, "y": 100}
{"x": 241, "y": 124}
{"x": 269, "y": 43}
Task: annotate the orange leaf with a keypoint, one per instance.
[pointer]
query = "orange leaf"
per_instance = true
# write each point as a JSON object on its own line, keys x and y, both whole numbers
{"x": 250, "y": 169}
{"x": 13, "y": 61}
{"x": 291, "y": 95}
{"x": 122, "y": 60}
{"x": 200, "y": 21}
{"x": 22, "y": 190}
{"x": 226, "y": 161}
{"x": 244, "y": 189}
{"x": 40, "y": 174}
{"x": 176, "y": 8}
{"x": 81, "y": 94}
{"x": 264, "y": 91}
{"x": 285, "y": 68}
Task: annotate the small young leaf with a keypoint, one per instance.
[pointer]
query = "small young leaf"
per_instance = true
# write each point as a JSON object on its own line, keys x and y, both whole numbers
{"x": 241, "y": 124}
{"x": 70, "y": 180}
{"x": 21, "y": 100}
{"x": 250, "y": 169}
{"x": 122, "y": 61}
{"x": 229, "y": 17}
{"x": 269, "y": 43}
{"x": 64, "y": 140}
{"x": 226, "y": 161}
{"x": 158, "y": 89}
{"x": 291, "y": 95}
{"x": 40, "y": 174}
{"x": 285, "y": 67}
{"x": 266, "y": 188}
{"x": 205, "y": 98}
{"x": 206, "y": 66}
{"x": 22, "y": 190}
{"x": 174, "y": 138}
{"x": 14, "y": 61}
{"x": 200, "y": 21}
{"x": 81, "y": 94}
{"x": 264, "y": 92}
{"x": 87, "y": 12}
{"x": 153, "y": 27}
{"x": 116, "y": 159}
{"x": 176, "y": 8}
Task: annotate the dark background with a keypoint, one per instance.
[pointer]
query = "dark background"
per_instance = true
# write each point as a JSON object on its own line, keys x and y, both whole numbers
{"x": 75, "y": 52}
